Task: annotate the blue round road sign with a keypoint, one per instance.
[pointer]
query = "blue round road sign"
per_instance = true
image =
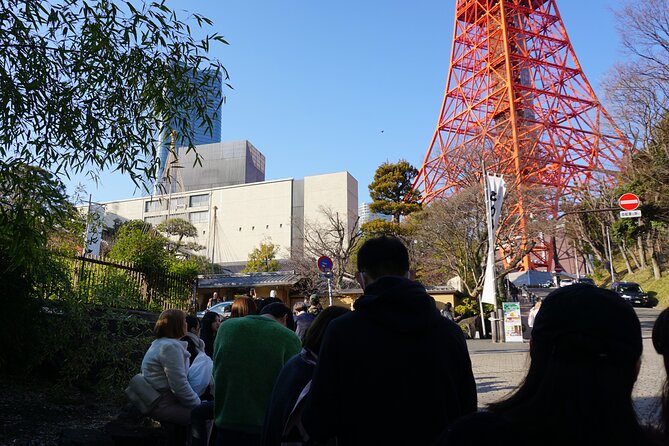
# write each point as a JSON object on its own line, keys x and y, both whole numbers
{"x": 325, "y": 264}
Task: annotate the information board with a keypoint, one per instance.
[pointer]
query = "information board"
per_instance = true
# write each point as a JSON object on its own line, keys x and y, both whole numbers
{"x": 513, "y": 327}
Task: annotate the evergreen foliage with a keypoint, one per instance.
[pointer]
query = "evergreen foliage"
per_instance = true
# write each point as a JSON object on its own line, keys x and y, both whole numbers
{"x": 392, "y": 190}
{"x": 262, "y": 259}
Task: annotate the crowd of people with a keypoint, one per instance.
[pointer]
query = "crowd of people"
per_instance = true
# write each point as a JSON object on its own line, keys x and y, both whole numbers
{"x": 395, "y": 371}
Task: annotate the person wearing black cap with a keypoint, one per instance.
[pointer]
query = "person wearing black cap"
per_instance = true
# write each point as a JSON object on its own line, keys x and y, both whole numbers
{"x": 393, "y": 371}
{"x": 315, "y": 306}
{"x": 585, "y": 352}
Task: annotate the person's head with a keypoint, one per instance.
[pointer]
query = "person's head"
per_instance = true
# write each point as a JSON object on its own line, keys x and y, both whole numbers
{"x": 585, "y": 354}
{"x": 193, "y": 324}
{"x": 299, "y": 307}
{"x": 314, "y": 336}
{"x": 382, "y": 256}
{"x": 210, "y": 322}
{"x": 661, "y": 344}
{"x": 243, "y": 306}
{"x": 215, "y": 296}
{"x": 252, "y": 293}
{"x": 314, "y": 299}
{"x": 449, "y": 306}
{"x": 277, "y": 311}
{"x": 661, "y": 335}
{"x": 272, "y": 293}
{"x": 171, "y": 324}
{"x": 266, "y": 301}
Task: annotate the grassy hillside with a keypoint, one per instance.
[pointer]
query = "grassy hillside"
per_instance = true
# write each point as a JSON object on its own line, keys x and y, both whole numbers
{"x": 656, "y": 288}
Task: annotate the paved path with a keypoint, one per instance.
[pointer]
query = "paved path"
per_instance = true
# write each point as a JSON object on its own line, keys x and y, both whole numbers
{"x": 499, "y": 368}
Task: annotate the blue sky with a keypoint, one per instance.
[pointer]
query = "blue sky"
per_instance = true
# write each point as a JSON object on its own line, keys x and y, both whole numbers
{"x": 323, "y": 87}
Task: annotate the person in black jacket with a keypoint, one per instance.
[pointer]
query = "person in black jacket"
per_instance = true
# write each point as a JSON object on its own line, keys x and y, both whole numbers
{"x": 394, "y": 371}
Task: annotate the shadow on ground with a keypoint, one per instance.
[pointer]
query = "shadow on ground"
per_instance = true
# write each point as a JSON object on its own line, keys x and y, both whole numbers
{"x": 486, "y": 384}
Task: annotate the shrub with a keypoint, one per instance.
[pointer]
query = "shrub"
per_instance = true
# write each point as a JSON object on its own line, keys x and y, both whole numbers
{"x": 69, "y": 343}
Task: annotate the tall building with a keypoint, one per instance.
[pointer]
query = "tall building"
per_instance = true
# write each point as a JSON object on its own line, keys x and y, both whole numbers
{"x": 200, "y": 134}
{"x": 366, "y": 215}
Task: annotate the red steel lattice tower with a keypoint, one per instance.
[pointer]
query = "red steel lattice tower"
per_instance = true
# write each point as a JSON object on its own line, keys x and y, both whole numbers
{"x": 518, "y": 103}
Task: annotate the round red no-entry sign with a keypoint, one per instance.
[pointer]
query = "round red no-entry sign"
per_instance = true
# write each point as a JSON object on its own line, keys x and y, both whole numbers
{"x": 628, "y": 202}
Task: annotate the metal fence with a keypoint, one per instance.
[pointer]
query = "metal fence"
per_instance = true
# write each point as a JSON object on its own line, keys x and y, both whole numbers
{"x": 121, "y": 285}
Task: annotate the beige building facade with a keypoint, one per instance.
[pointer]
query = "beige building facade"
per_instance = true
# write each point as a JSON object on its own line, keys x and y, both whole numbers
{"x": 233, "y": 220}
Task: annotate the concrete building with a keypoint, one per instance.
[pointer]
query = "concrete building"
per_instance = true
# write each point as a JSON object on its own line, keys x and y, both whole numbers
{"x": 226, "y": 163}
{"x": 233, "y": 220}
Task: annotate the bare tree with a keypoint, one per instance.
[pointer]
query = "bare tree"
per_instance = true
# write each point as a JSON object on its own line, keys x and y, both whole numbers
{"x": 334, "y": 237}
{"x": 451, "y": 239}
{"x": 637, "y": 90}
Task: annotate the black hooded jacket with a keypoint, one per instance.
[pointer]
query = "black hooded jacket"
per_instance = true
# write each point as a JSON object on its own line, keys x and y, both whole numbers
{"x": 392, "y": 372}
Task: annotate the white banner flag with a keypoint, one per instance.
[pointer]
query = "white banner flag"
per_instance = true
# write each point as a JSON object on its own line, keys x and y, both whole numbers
{"x": 495, "y": 188}
{"x": 93, "y": 236}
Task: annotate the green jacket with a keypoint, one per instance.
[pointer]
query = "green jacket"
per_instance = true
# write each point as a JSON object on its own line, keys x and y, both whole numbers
{"x": 249, "y": 353}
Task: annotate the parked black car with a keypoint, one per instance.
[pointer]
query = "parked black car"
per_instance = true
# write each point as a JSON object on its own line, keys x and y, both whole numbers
{"x": 632, "y": 292}
{"x": 586, "y": 280}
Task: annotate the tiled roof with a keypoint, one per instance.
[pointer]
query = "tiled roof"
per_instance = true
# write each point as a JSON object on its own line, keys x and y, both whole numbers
{"x": 248, "y": 280}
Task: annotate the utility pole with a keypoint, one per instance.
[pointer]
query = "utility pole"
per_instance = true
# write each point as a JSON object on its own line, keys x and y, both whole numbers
{"x": 608, "y": 242}
{"x": 213, "y": 245}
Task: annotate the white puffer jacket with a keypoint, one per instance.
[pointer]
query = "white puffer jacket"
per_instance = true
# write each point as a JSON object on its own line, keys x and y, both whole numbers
{"x": 165, "y": 367}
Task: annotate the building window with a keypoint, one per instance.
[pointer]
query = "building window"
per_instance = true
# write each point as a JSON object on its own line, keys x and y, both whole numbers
{"x": 240, "y": 229}
{"x": 253, "y": 228}
{"x": 178, "y": 204}
{"x": 199, "y": 217}
{"x": 199, "y": 200}
{"x": 281, "y": 225}
{"x": 155, "y": 206}
{"x": 266, "y": 226}
{"x": 155, "y": 221}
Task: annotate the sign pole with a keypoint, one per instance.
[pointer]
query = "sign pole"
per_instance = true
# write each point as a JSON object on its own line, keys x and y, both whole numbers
{"x": 330, "y": 288}
{"x": 608, "y": 242}
{"x": 325, "y": 265}
{"x": 489, "y": 224}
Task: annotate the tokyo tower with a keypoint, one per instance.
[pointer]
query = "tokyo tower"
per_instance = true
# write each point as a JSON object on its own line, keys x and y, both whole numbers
{"x": 518, "y": 103}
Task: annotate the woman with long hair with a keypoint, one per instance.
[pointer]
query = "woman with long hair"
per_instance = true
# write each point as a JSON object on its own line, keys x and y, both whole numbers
{"x": 165, "y": 368}
{"x": 585, "y": 354}
{"x": 243, "y": 306}
{"x": 209, "y": 327}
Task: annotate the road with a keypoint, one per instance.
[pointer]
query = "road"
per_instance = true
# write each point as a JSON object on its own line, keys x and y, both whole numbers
{"x": 499, "y": 368}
